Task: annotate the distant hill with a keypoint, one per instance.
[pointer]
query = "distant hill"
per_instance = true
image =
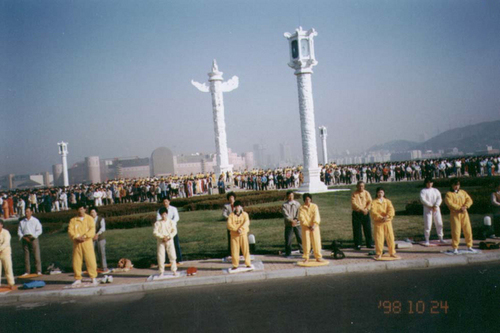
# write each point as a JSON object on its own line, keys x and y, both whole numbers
{"x": 468, "y": 139}
{"x": 394, "y": 146}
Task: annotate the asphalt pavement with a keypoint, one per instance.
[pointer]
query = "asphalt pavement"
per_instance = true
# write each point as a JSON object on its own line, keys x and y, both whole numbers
{"x": 461, "y": 298}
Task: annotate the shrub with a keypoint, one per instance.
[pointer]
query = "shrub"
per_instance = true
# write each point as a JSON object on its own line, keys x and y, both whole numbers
{"x": 262, "y": 197}
{"x": 264, "y": 213}
{"x": 129, "y": 222}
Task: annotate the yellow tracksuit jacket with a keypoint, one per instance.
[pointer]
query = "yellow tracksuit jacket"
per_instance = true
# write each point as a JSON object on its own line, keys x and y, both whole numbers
{"x": 379, "y": 210}
{"x": 361, "y": 201}
{"x": 459, "y": 221}
{"x": 309, "y": 216}
{"x": 85, "y": 250}
{"x": 239, "y": 241}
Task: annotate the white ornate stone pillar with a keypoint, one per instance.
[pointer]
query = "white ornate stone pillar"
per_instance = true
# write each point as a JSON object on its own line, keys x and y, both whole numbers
{"x": 302, "y": 59}
{"x": 217, "y": 87}
{"x": 63, "y": 151}
{"x": 323, "y": 134}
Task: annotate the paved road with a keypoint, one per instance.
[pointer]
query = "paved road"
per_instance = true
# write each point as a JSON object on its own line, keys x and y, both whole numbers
{"x": 457, "y": 299}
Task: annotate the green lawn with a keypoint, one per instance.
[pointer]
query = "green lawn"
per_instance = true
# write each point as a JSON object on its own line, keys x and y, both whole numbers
{"x": 203, "y": 233}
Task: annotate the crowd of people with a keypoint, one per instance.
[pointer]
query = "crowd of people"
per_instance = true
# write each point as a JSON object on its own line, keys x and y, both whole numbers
{"x": 155, "y": 189}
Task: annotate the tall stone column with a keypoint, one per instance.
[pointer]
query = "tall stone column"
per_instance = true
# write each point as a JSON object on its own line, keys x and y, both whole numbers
{"x": 63, "y": 151}
{"x": 323, "y": 135}
{"x": 217, "y": 87}
{"x": 302, "y": 60}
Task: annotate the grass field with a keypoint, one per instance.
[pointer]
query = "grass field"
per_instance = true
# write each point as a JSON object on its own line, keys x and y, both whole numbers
{"x": 202, "y": 234}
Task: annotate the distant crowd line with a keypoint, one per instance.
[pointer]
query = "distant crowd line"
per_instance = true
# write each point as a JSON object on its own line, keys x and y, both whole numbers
{"x": 13, "y": 203}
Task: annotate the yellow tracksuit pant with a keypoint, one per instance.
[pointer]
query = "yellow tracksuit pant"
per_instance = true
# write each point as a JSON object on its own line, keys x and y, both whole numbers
{"x": 311, "y": 237}
{"x": 85, "y": 251}
{"x": 459, "y": 222}
{"x": 6, "y": 264}
{"x": 384, "y": 230}
{"x": 170, "y": 248}
{"x": 239, "y": 241}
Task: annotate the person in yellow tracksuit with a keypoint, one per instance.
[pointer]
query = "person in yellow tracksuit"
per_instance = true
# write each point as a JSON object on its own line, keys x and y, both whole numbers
{"x": 165, "y": 231}
{"x": 6, "y": 256}
{"x": 458, "y": 201}
{"x": 81, "y": 231}
{"x": 238, "y": 224}
{"x": 309, "y": 218}
{"x": 382, "y": 213}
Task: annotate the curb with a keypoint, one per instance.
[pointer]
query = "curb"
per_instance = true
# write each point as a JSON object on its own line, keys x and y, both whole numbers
{"x": 254, "y": 276}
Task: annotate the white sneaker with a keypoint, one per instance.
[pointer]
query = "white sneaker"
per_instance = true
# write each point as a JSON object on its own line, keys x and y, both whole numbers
{"x": 39, "y": 273}
{"x": 471, "y": 250}
{"x": 455, "y": 251}
{"x": 77, "y": 283}
{"x": 95, "y": 282}
{"x": 110, "y": 279}
{"x": 442, "y": 241}
{"x": 427, "y": 243}
{"x": 25, "y": 274}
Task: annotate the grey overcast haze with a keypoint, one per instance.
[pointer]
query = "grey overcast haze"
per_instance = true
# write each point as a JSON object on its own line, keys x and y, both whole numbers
{"x": 112, "y": 78}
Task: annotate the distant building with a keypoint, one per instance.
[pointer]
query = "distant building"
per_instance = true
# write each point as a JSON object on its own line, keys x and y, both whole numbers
{"x": 259, "y": 154}
{"x": 12, "y": 182}
{"x": 57, "y": 172}
{"x": 205, "y": 163}
{"x": 162, "y": 162}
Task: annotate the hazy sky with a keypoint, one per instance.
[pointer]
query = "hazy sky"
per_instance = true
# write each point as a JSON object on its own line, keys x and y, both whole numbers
{"x": 112, "y": 78}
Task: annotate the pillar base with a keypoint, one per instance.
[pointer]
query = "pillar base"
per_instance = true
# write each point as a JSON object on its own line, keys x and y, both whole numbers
{"x": 223, "y": 168}
{"x": 312, "y": 182}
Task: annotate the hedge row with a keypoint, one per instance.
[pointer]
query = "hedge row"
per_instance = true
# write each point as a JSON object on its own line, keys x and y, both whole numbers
{"x": 246, "y": 201}
{"x": 193, "y": 203}
{"x": 264, "y": 213}
{"x": 130, "y": 222}
{"x": 148, "y": 220}
{"x": 480, "y": 197}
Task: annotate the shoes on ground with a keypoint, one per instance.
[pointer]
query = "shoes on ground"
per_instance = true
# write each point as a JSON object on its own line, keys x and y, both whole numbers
{"x": 77, "y": 283}
{"x": 455, "y": 251}
{"x": 25, "y": 274}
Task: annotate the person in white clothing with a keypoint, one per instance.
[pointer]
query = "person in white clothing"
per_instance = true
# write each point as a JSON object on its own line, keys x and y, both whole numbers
{"x": 21, "y": 206}
{"x": 64, "y": 201}
{"x": 431, "y": 199}
{"x": 173, "y": 215}
{"x": 6, "y": 256}
{"x": 28, "y": 231}
{"x": 164, "y": 231}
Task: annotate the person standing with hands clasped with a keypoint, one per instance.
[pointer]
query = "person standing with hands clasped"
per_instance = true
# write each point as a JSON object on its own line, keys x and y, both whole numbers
{"x": 361, "y": 201}
{"x": 431, "y": 200}
{"x": 6, "y": 256}
{"x": 238, "y": 224}
{"x": 29, "y": 230}
{"x": 81, "y": 231}
{"x": 309, "y": 217}
{"x": 165, "y": 231}
{"x": 459, "y": 201}
{"x": 382, "y": 213}
{"x": 290, "y": 209}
